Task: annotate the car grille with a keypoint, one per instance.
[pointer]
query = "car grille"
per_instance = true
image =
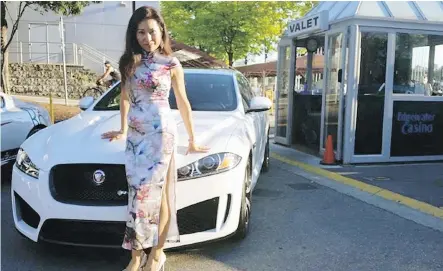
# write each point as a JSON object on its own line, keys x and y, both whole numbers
{"x": 74, "y": 184}
{"x": 195, "y": 218}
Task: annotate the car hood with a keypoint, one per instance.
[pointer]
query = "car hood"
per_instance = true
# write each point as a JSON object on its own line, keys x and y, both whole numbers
{"x": 25, "y": 105}
{"x": 78, "y": 140}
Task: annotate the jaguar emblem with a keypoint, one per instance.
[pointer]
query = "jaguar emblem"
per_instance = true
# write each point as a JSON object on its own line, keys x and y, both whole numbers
{"x": 98, "y": 177}
{"x": 121, "y": 192}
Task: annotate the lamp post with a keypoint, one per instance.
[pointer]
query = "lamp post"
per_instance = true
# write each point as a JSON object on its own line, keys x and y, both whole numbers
{"x": 62, "y": 36}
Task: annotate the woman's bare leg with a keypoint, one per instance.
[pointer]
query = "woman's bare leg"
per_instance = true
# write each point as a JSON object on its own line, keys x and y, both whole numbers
{"x": 134, "y": 264}
{"x": 162, "y": 227}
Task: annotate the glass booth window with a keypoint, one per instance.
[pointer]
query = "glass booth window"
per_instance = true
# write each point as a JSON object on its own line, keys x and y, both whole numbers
{"x": 418, "y": 64}
{"x": 283, "y": 88}
{"x": 333, "y": 87}
{"x": 371, "y": 93}
{"x": 307, "y": 91}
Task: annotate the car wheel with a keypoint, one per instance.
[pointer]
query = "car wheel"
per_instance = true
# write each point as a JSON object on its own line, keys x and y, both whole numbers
{"x": 245, "y": 209}
{"x": 266, "y": 160}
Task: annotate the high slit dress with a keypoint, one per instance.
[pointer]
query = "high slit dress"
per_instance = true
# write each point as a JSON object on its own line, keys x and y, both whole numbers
{"x": 151, "y": 146}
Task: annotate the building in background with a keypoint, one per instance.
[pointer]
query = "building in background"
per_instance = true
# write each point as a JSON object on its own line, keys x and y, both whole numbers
{"x": 380, "y": 99}
{"x": 96, "y": 35}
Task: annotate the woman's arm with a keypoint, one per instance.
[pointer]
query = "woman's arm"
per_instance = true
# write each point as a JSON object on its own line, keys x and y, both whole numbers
{"x": 178, "y": 84}
{"x": 124, "y": 108}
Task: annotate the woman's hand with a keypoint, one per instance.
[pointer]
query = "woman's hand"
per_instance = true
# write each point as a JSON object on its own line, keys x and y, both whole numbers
{"x": 113, "y": 135}
{"x": 192, "y": 148}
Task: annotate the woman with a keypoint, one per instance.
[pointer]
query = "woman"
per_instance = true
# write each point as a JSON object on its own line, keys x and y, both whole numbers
{"x": 148, "y": 71}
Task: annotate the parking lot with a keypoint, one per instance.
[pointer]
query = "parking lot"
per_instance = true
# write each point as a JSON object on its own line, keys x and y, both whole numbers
{"x": 296, "y": 225}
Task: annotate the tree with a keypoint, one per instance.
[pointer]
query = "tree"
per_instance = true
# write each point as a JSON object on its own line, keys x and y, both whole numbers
{"x": 231, "y": 30}
{"x": 273, "y": 19}
{"x": 64, "y": 8}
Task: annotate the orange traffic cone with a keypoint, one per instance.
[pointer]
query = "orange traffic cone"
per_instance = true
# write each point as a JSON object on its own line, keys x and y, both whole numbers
{"x": 329, "y": 156}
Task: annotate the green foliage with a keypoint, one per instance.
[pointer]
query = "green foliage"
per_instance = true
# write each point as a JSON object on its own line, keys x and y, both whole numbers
{"x": 230, "y": 30}
{"x": 64, "y": 8}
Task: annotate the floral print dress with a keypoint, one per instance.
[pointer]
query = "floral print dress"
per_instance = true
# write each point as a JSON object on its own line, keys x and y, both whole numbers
{"x": 150, "y": 150}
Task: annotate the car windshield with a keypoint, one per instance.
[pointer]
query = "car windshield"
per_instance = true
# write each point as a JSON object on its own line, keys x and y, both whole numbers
{"x": 206, "y": 92}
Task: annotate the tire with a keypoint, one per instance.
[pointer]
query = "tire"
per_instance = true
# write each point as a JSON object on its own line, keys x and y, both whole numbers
{"x": 33, "y": 131}
{"x": 266, "y": 159}
{"x": 245, "y": 208}
{"x": 94, "y": 92}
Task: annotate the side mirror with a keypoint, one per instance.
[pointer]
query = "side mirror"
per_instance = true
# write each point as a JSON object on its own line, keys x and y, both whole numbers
{"x": 86, "y": 102}
{"x": 259, "y": 104}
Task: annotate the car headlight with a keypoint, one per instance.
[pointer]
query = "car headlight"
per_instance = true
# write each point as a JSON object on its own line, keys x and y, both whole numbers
{"x": 24, "y": 163}
{"x": 209, "y": 165}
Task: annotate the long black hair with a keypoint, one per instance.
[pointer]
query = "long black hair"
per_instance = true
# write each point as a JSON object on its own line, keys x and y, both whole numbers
{"x": 133, "y": 51}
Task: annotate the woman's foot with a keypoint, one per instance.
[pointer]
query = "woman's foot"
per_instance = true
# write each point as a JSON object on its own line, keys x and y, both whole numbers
{"x": 134, "y": 265}
{"x": 156, "y": 261}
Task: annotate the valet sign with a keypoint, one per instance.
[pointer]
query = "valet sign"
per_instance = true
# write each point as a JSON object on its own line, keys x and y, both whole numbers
{"x": 313, "y": 23}
{"x": 417, "y": 128}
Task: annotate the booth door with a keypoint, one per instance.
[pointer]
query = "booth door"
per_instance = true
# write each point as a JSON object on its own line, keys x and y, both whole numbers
{"x": 282, "y": 100}
{"x": 371, "y": 92}
{"x": 333, "y": 100}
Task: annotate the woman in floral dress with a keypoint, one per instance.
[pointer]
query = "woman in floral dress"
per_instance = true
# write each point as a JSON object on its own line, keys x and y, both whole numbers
{"x": 148, "y": 72}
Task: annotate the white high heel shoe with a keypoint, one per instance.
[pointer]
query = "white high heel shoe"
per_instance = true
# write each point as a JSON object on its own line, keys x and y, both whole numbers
{"x": 161, "y": 262}
{"x": 142, "y": 263}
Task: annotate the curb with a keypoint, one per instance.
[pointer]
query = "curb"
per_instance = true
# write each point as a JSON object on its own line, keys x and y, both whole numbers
{"x": 44, "y": 99}
{"x": 417, "y": 205}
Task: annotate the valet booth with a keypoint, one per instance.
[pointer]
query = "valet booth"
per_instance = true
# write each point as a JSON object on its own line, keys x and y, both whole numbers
{"x": 380, "y": 93}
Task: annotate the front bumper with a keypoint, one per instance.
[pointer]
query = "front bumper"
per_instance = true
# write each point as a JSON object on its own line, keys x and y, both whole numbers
{"x": 8, "y": 157}
{"x": 208, "y": 209}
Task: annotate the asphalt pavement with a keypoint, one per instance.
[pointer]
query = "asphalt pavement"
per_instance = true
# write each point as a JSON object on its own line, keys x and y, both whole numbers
{"x": 423, "y": 181}
{"x": 296, "y": 225}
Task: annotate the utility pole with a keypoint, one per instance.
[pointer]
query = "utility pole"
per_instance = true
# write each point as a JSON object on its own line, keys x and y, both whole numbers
{"x": 133, "y": 6}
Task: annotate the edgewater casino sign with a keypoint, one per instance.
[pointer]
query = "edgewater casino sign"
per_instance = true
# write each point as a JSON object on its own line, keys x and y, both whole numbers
{"x": 417, "y": 128}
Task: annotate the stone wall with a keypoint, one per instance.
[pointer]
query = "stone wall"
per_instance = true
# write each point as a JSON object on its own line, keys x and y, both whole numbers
{"x": 41, "y": 79}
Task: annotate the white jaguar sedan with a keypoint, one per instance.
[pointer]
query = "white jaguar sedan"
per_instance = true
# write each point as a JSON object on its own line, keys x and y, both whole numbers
{"x": 19, "y": 120}
{"x": 69, "y": 186}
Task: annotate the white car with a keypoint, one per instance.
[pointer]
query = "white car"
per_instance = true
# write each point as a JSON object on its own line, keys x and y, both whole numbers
{"x": 19, "y": 120}
{"x": 56, "y": 198}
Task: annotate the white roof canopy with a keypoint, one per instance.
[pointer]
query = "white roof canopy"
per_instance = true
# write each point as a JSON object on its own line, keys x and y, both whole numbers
{"x": 431, "y": 11}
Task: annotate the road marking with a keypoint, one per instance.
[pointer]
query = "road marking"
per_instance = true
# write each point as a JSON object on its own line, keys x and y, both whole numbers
{"x": 377, "y": 178}
{"x": 347, "y": 173}
{"x": 375, "y": 190}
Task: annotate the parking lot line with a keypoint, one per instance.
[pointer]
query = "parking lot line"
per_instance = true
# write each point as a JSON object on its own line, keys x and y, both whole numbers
{"x": 375, "y": 190}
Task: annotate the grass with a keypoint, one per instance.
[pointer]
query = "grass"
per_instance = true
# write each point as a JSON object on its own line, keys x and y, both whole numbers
{"x": 62, "y": 112}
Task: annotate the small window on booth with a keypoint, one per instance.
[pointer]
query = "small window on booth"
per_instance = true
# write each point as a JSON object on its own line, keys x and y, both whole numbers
{"x": 315, "y": 45}
{"x": 418, "y": 66}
